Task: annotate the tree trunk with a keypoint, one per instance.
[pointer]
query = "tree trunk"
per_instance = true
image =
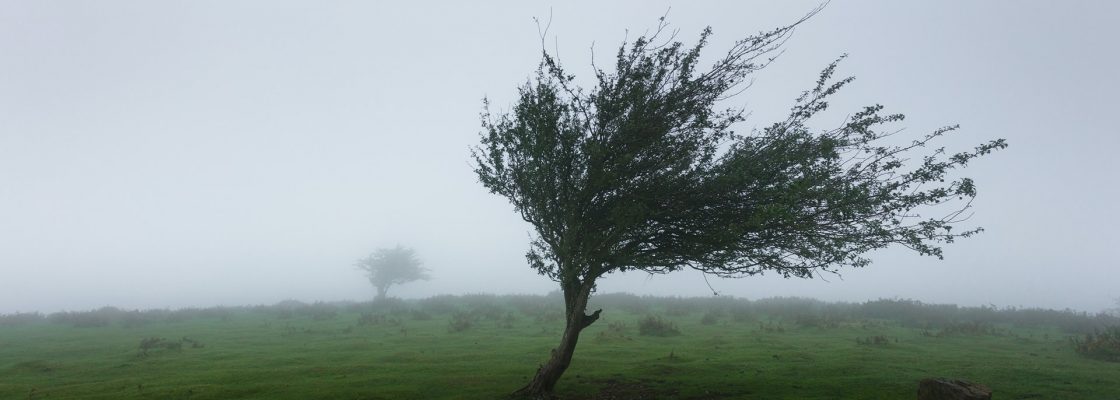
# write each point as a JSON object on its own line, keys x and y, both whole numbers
{"x": 549, "y": 373}
{"x": 382, "y": 291}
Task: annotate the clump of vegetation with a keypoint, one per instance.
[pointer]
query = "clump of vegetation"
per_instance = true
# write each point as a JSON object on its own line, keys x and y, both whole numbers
{"x": 485, "y": 308}
{"x": 771, "y": 327}
{"x": 439, "y": 305}
{"x": 507, "y": 321}
{"x": 460, "y": 321}
{"x": 655, "y": 326}
{"x": 817, "y": 321}
{"x": 321, "y": 311}
{"x": 20, "y": 319}
{"x": 877, "y": 340}
{"x": 153, "y": 343}
{"x": 88, "y": 319}
{"x": 743, "y": 314}
{"x": 679, "y": 307}
{"x": 966, "y": 328}
{"x": 615, "y": 331}
{"x": 389, "y": 305}
{"x": 1103, "y": 345}
{"x": 420, "y": 315}
{"x": 135, "y": 319}
{"x": 711, "y": 317}
{"x": 287, "y": 309}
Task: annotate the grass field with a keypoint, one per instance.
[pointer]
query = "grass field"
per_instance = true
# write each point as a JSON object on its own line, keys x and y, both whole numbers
{"x": 483, "y": 347}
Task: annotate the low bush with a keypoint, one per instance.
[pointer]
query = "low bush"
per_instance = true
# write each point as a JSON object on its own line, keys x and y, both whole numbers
{"x": 320, "y": 311}
{"x": 655, "y": 326}
{"x": 153, "y": 343}
{"x": 1103, "y": 345}
{"x": 711, "y": 317}
{"x": 743, "y": 314}
{"x": 771, "y": 327}
{"x": 88, "y": 319}
{"x": 372, "y": 319}
{"x": 439, "y": 305}
{"x": 20, "y": 319}
{"x": 460, "y": 321}
{"x": 877, "y": 340}
{"x": 969, "y": 328}
{"x": 615, "y": 331}
{"x": 507, "y": 321}
{"x": 816, "y": 321}
{"x": 420, "y": 315}
{"x": 680, "y": 307}
{"x": 136, "y": 319}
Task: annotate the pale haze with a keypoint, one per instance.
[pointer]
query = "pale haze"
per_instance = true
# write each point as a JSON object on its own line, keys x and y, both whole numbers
{"x": 189, "y": 154}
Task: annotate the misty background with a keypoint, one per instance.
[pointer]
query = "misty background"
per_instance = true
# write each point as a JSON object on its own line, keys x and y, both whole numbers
{"x": 175, "y": 154}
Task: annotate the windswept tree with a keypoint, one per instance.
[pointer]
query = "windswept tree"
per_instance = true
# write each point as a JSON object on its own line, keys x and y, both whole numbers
{"x": 392, "y": 266}
{"x": 643, "y": 172}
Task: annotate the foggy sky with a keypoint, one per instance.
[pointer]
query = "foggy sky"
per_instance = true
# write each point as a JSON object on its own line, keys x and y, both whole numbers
{"x": 172, "y": 154}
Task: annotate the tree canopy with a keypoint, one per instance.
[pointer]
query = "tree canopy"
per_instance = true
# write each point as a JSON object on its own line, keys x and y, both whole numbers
{"x": 644, "y": 171}
{"x": 392, "y": 266}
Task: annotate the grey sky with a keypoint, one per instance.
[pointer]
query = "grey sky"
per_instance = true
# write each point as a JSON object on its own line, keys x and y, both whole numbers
{"x": 170, "y": 154}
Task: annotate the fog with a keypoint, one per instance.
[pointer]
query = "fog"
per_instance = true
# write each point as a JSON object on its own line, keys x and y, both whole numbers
{"x": 175, "y": 154}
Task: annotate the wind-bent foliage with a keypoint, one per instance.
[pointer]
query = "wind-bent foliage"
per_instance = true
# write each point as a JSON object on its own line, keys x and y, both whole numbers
{"x": 644, "y": 172}
{"x": 392, "y": 266}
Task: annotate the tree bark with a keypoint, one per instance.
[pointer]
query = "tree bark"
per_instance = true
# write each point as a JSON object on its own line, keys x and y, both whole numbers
{"x": 382, "y": 291}
{"x": 549, "y": 373}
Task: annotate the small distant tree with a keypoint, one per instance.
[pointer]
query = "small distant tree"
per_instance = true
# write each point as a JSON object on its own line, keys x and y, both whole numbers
{"x": 643, "y": 172}
{"x": 392, "y": 266}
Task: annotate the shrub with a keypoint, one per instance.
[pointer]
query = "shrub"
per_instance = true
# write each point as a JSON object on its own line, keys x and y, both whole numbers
{"x": 391, "y": 305}
{"x": 88, "y": 319}
{"x": 615, "y": 331}
{"x": 283, "y": 310}
{"x": 1103, "y": 345}
{"x": 507, "y": 321}
{"x": 710, "y": 318}
{"x": 743, "y": 314}
{"x": 816, "y": 321}
{"x": 679, "y": 307}
{"x": 194, "y": 343}
{"x": 877, "y": 340}
{"x": 969, "y": 328}
{"x": 460, "y": 321}
{"x": 655, "y": 326}
{"x": 20, "y": 319}
{"x": 771, "y": 327}
{"x": 320, "y": 311}
{"x": 134, "y": 319}
{"x": 439, "y": 305}
{"x": 488, "y": 311}
{"x": 420, "y": 315}
{"x": 151, "y": 343}
{"x": 371, "y": 319}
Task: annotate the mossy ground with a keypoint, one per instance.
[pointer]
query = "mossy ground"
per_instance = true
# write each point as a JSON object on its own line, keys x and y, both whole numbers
{"x": 254, "y": 354}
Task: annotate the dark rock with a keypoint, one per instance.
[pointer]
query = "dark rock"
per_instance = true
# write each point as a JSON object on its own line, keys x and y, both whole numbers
{"x": 952, "y": 389}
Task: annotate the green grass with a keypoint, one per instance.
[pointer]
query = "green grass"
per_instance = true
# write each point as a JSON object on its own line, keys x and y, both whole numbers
{"x": 255, "y": 354}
